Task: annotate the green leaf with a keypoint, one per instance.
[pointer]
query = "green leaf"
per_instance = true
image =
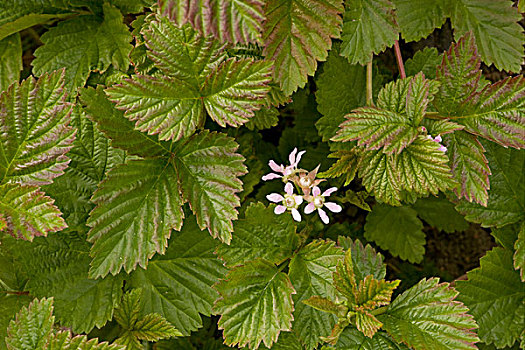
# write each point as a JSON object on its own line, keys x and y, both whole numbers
{"x": 365, "y": 259}
{"x": 367, "y": 323}
{"x": 417, "y": 21}
{"x": 137, "y": 207}
{"x": 440, "y": 127}
{"x": 261, "y": 234}
{"x": 178, "y": 285}
{"x": 265, "y": 118}
{"x": 10, "y": 60}
{"x": 495, "y": 26}
{"x": 495, "y": 296}
{"x": 438, "y": 212}
{"x": 346, "y": 165}
{"x": 58, "y": 266}
{"x": 32, "y": 327}
{"x": 506, "y": 204}
{"x": 297, "y": 34}
{"x": 398, "y": 230}
{"x": 352, "y": 339}
{"x": 344, "y": 279}
{"x": 425, "y": 60}
{"x": 393, "y": 96}
{"x": 10, "y": 304}
{"x": 84, "y": 43}
{"x": 255, "y": 304}
{"x": 373, "y": 293}
{"x": 63, "y": 340}
{"x": 380, "y": 177}
{"x": 311, "y": 271}
{"x": 469, "y": 167}
{"x": 326, "y": 305}
{"x": 519, "y": 254}
{"x": 28, "y": 212}
{"x": 427, "y": 317}
{"x": 369, "y": 27}
{"x": 208, "y": 169}
{"x": 36, "y": 118}
{"x": 228, "y": 20}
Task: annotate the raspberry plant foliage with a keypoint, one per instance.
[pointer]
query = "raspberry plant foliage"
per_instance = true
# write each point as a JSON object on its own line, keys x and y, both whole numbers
{"x": 143, "y": 204}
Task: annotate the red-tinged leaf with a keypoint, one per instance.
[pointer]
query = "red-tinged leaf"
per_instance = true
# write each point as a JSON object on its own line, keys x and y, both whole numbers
{"x": 34, "y": 116}
{"x": 380, "y": 176}
{"x": 367, "y": 323}
{"x": 469, "y": 166}
{"x": 420, "y": 93}
{"x": 344, "y": 278}
{"x": 373, "y": 293}
{"x": 28, "y": 212}
{"x": 326, "y": 305}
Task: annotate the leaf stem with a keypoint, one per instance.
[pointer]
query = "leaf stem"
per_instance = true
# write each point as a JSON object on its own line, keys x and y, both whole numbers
{"x": 399, "y": 60}
{"x": 369, "y": 98}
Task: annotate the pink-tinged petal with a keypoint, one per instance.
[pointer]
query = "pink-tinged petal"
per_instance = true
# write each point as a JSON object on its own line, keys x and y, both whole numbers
{"x": 291, "y": 157}
{"x": 329, "y": 191}
{"x": 298, "y": 200}
{"x": 316, "y": 191}
{"x": 333, "y": 207}
{"x": 279, "y": 209}
{"x": 271, "y": 176}
{"x": 275, "y": 167}
{"x": 438, "y": 138}
{"x": 288, "y": 188}
{"x": 430, "y": 137}
{"x": 275, "y": 197}
{"x": 442, "y": 148}
{"x": 323, "y": 216}
{"x": 287, "y": 171}
{"x": 296, "y": 215}
{"x": 309, "y": 208}
{"x": 298, "y": 158}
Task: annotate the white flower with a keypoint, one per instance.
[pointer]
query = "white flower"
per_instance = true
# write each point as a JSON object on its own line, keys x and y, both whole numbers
{"x": 317, "y": 201}
{"x": 438, "y": 139}
{"x": 289, "y": 202}
{"x": 294, "y": 159}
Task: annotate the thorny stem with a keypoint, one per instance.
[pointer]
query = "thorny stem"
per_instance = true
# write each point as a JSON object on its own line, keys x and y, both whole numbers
{"x": 369, "y": 100}
{"x": 399, "y": 60}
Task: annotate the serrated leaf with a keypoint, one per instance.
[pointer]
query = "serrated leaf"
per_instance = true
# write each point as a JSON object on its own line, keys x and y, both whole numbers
{"x": 264, "y": 118}
{"x": 346, "y": 165}
{"x": 373, "y": 293}
{"x": 255, "y": 304}
{"x": 311, "y": 273}
{"x": 31, "y": 329}
{"x": 352, "y": 339}
{"x": 495, "y": 26}
{"x": 137, "y": 207}
{"x": 63, "y": 340}
{"x": 519, "y": 254}
{"x": 10, "y": 60}
{"x": 495, "y": 296}
{"x": 398, "y": 230}
{"x": 427, "y": 317}
{"x": 380, "y": 177}
{"x": 367, "y": 323}
{"x": 28, "y": 212}
{"x": 438, "y": 212}
{"x": 506, "y": 204}
{"x": 417, "y": 21}
{"x": 10, "y": 304}
{"x": 84, "y": 43}
{"x": 425, "y": 60}
{"x": 178, "y": 285}
{"x": 344, "y": 279}
{"x": 469, "y": 166}
{"x": 36, "y": 118}
{"x": 365, "y": 259}
{"x": 393, "y": 96}
{"x": 260, "y": 234}
{"x": 229, "y": 21}
{"x": 368, "y": 28}
{"x": 297, "y": 34}
{"x": 326, "y": 305}
{"x": 208, "y": 169}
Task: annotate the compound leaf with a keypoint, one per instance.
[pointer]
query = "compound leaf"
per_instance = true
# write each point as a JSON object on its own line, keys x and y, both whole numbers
{"x": 297, "y": 34}
{"x": 427, "y": 317}
{"x": 368, "y": 28}
{"x": 137, "y": 207}
{"x": 398, "y": 230}
{"x": 10, "y": 60}
{"x": 83, "y": 43}
{"x": 260, "y": 235}
{"x": 495, "y": 296}
{"x": 208, "y": 169}
{"x": 36, "y": 118}
{"x": 255, "y": 304}
{"x": 417, "y": 21}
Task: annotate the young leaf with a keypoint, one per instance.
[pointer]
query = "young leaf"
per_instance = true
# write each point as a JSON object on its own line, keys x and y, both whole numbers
{"x": 498, "y": 34}
{"x": 438, "y": 212}
{"x": 260, "y": 235}
{"x": 326, "y": 305}
{"x": 83, "y": 43}
{"x": 255, "y": 304}
{"x": 368, "y": 28}
{"x": 519, "y": 254}
{"x": 398, "y": 230}
{"x": 365, "y": 259}
{"x": 351, "y": 338}
{"x": 36, "y": 118}
{"x": 344, "y": 278}
{"x": 373, "y": 293}
{"x": 63, "y": 340}
{"x": 137, "y": 207}
{"x": 32, "y": 327}
{"x": 506, "y": 204}
{"x": 380, "y": 176}
{"x": 495, "y": 296}
{"x": 346, "y": 165}
{"x": 28, "y": 212}
{"x": 311, "y": 271}
{"x": 208, "y": 169}
{"x": 10, "y": 60}
{"x": 427, "y": 317}
{"x": 367, "y": 323}
{"x": 115, "y": 126}
{"x": 178, "y": 285}
{"x": 297, "y": 34}
{"x": 228, "y": 20}
{"x": 417, "y": 21}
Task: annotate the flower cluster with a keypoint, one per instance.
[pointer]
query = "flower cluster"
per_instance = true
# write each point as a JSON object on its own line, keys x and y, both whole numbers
{"x": 304, "y": 181}
{"x": 438, "y": 140}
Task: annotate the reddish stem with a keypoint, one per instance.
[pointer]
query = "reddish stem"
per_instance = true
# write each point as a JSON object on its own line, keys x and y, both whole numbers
{"x": 399, "y": 60}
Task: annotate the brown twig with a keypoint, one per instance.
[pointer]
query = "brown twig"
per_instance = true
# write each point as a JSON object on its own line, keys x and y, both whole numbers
{"x": 399, "y": 60}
